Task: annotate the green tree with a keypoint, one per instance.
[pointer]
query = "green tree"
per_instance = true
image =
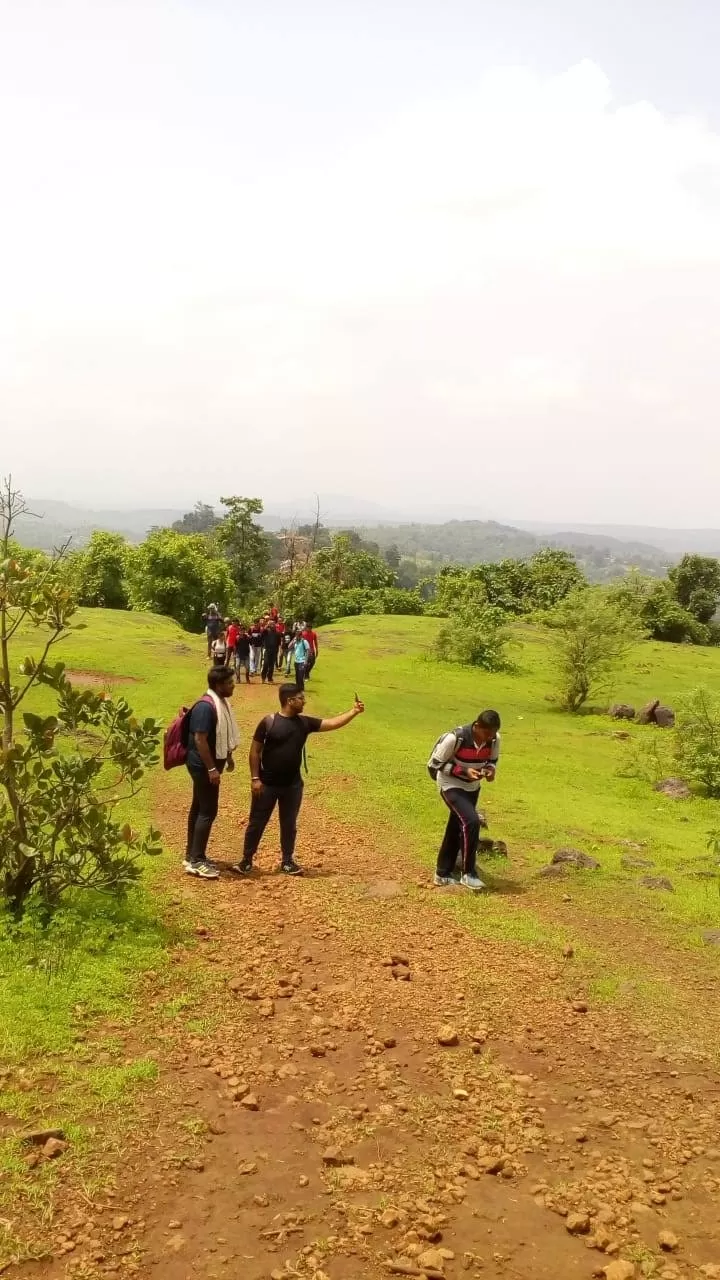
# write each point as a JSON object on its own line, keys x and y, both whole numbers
{"x": 591, "y": 635}
{"x": 202, "y": 519}
{"x": 696, "y": 585}
{"x": 99, "y": 571}
{"x": 343, "y": 565}
{"x": 243, "y": 542}
{"x": 697, "y": 740}
{"x": 62, "y": 775}
{"x": 552, "y": 575}
{"x": 654, "y": 603}
{"x": 178, "y": 575}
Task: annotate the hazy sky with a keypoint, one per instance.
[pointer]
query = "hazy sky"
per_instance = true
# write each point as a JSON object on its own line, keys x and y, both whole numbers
{"x": 435, "y": 252}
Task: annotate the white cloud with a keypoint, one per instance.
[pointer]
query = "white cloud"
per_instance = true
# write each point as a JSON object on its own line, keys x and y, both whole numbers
{"x": 522, "y": 250}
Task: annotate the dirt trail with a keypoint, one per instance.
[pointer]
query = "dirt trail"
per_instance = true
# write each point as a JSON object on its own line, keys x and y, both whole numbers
{"x": 317, "y": 1128}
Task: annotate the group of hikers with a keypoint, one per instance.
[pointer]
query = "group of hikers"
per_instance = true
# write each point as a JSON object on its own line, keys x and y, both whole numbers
{"x": 206, "y": 737}
{"x": 268, "y": 645}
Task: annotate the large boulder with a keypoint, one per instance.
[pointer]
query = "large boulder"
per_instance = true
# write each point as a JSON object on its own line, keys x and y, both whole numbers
{"x": 575, "y": 858}
{"x": 655, "y": 713}
{"x": 657, "y": 882}
{"x": 622, "y": 711}
{"x": 676, "y": 788}
{"x": 664, "y": 717}
{"x": 646, "y": 715}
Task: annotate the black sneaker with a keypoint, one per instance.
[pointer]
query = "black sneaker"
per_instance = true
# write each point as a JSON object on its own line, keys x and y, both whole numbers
{"x": 243, "y": 868}
{"x": 291, "y": 869}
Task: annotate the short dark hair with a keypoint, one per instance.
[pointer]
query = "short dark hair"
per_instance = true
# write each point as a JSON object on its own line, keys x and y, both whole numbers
{"x": 489, "y": 720}
{"x": 288, "y": 691}
{"x": 219, "y": 675}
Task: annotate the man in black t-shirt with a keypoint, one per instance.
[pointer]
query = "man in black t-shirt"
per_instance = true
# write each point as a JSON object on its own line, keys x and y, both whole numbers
{"x": 270, "y": 646}
{"x": 275, "y": 760}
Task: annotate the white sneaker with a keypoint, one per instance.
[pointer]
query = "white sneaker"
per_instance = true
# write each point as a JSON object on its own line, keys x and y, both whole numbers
{"x": 472, "y": 882}
{"x": 441, "y": 880}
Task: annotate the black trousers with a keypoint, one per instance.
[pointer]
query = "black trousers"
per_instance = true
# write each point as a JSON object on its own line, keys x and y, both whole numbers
{"x": 309, "y": 665}
{"x": 288, "y": 801}
{"x": 268, "y": 664}
{"x": 462, "y": 833}
{"x": 203, "y": 812}
{"x": 300, "y": 675}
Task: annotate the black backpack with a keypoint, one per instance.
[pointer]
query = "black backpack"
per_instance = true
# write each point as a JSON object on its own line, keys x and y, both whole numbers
{"x": 463, "y": 733}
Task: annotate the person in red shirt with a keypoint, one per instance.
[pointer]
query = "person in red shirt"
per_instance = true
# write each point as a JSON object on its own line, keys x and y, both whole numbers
{"x": 312, "y": 640}
{"x": 232, "y": 631}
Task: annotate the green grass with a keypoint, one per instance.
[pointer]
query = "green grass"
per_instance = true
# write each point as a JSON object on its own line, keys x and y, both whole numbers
{"x": 561, "y": 782}
{"x": 561, "y": 777}
{"x": 58, "y": 987}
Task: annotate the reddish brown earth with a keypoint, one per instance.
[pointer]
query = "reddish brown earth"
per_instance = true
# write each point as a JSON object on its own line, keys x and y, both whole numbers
{"x": 318, "y": 1128}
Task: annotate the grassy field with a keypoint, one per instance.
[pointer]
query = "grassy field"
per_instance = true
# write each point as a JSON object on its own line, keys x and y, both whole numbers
{"x": 563, "y": 781}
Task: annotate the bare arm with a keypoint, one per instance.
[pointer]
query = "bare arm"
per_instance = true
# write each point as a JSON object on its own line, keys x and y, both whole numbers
{"x": 339, "y": 722}
{"x": 203, "y": 750}
{"x": 254, "y": 759}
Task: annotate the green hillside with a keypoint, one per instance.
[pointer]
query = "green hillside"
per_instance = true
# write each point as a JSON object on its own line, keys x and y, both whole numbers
{"x": 560, "y": 781}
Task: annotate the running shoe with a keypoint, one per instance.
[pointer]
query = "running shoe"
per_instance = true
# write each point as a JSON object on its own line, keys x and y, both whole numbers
{"x": 244, "y": 868}
{"x": 203, "y": 869}
{"x": 472, "y": 882}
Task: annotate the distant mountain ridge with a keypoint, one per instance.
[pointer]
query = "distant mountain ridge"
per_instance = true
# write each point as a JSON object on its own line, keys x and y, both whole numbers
{"x": 603, "y": 550}
{"x": 674, "y": 541}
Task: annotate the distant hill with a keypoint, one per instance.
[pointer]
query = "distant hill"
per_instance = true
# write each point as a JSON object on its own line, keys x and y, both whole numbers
{"x": 675, "y": 542}
{"x": 60, "y": 521}
{"x": 470, "y": 541}
{"x": 603, "y": 551}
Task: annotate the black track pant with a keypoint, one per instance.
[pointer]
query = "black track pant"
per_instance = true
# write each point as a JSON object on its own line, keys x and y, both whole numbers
{"x": 288, "y": 801}
{"x": 462, "y": 832}
{"x": 203, "y": 812}
{"x": 268, "y": 664}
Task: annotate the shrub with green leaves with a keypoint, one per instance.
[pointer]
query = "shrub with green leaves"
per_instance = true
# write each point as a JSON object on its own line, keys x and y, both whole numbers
{"x": 592, "y": 635}
{"x": 697, "y": 740}
{"x": 63, "y": 775}
{"x": 476, "y": 634}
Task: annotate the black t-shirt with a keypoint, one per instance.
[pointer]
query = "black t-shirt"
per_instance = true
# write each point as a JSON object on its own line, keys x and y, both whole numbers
{"x": 202, "y": 720}
{"x": 242, "y": 646}
{"x": 213, "y": 623}
{"x": 271, "y": 641}
{"x": 283, "y": 741}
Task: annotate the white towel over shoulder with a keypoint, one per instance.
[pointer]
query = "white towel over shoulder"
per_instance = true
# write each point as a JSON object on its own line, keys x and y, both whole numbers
{"x": 227, "y": 734}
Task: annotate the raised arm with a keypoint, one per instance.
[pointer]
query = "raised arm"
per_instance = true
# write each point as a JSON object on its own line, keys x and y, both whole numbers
{"x": 339, "y": 722}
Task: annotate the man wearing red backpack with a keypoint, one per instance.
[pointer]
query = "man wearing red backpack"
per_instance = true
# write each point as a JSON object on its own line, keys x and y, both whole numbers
{"x": 212, "y": 738}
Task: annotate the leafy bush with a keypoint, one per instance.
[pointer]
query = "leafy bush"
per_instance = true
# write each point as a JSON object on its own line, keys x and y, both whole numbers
{"x": 592, "y": 636}
{"x": 178, "y": 575}
{"x": 99, "y": 571}
{"x": 657, "y": 607}
{"x": 476, "y": 635}
{"x": 63, "y": 777}
{"x": 697, "y": 739}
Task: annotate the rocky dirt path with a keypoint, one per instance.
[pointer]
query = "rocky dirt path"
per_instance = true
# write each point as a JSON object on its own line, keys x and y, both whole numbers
{"x": 374, "y": 1091}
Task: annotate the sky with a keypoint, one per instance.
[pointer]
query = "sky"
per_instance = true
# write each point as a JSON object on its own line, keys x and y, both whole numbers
{"x": 434, "y": 255}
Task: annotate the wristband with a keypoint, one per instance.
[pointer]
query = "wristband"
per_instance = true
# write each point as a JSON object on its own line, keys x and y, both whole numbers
{"x": 256, "y": 779}
{"x": 214, "y": 769}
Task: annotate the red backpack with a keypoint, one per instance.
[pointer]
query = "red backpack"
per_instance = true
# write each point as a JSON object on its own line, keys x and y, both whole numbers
{"x": 177, "y": 735}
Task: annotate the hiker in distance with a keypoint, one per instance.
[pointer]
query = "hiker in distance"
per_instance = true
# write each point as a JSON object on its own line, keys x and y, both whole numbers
{"x": 460, "y": 761}
{"x": 212, "y": 739}
{"x": 276, "y": 754}
{"x": 212, "y": 623}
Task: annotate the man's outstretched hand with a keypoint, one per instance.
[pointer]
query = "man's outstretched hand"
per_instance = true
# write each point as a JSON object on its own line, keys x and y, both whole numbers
{"x": 359, "y": 706}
